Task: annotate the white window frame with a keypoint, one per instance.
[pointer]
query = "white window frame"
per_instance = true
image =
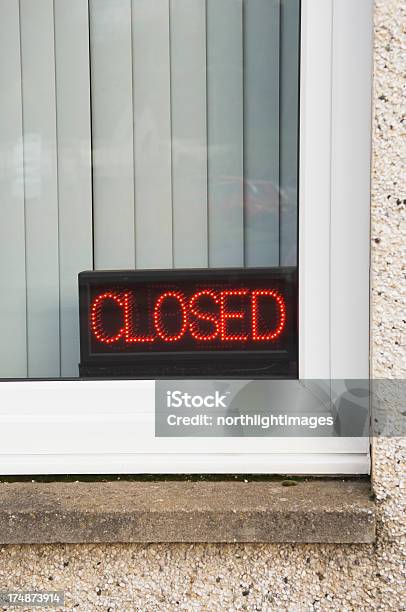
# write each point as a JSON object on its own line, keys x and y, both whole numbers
{"x": 107, "y": 426}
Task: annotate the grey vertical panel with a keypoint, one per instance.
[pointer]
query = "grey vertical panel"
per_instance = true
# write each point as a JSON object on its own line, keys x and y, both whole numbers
{"x": 189, "y": 137}
{"x": 261, "y": 132}
{"x": 225, "y": 132}
{"x": 315, "y": 191}
{"x": 112, "y": 133}
{"x": 289, "y": 129}
{"x": 13, "y": 358}
{"x": 152, "y": 133}
{"x": 350, "y": 187}
{"x": 74, "y": 167}
{"x": 41, "y": 193}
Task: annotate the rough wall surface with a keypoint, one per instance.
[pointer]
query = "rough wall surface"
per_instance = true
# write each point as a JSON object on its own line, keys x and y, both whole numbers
{"x": 274, "y": 577}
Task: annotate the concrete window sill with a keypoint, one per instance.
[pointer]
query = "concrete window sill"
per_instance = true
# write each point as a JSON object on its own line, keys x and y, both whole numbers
{"x": 333, "y": 511}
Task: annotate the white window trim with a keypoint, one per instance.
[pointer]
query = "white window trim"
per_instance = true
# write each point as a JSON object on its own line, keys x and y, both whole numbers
{"x": 107, "y": 426}
{"x": 336, "y": 88}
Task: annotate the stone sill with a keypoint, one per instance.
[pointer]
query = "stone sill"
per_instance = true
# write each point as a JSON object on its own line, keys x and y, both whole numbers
{"x": 315, "y": 511}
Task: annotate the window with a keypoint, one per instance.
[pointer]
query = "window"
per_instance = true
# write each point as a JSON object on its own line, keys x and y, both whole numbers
{"x": 164, "y": 135}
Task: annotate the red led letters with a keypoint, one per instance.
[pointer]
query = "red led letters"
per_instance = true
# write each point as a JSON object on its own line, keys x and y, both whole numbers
{"x": 255, "y": 309}
{"x": 96, "y": 317}
{"x": 158, "y": 322}
{"x": 128, "y": 322}
{"x": 203, "y": 316}
{"x": 227, "y": 314}
{"x": 207, "y": 315}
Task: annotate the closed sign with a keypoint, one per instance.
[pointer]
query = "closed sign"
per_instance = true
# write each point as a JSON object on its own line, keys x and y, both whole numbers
{"x": 157, "y": 323}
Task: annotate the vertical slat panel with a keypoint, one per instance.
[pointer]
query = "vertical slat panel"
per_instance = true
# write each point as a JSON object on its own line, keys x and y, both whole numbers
{"x": 112, "y": 133}
{"x": 152, "y": 133}
{"x": 74, "y": 167}
{"x": 189, "y": 132}
{"x": 315, "y": 190}
{"x": 289, "y": 109}
{"x": 41, "y": 193}
{"x": 13, "y": 358}
{"x": 350, "y": 185}
{"x": 225, "y": 132}
{"x": 261, "y": 133}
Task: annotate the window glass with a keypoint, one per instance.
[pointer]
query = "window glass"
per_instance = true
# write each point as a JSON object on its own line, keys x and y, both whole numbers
{"x": 147, "y": 134}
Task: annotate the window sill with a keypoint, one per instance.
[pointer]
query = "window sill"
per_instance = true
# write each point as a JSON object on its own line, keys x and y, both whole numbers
{"x": 315, "y": 511}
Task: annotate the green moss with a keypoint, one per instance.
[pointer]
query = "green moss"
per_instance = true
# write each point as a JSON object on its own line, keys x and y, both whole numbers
{"x": 289, "y": 483}
{"x": 284, "y": 479}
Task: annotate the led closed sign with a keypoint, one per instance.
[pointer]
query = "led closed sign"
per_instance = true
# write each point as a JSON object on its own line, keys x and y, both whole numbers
{"x": 189, "y": 322}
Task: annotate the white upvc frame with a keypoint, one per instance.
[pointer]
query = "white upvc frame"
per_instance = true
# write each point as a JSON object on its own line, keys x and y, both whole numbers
{"x": 336, "y": 91}
{"x": 107, "y": 426}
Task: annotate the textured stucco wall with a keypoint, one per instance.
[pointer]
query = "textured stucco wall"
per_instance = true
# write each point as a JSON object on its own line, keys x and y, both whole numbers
{"x": 274, "y": 577}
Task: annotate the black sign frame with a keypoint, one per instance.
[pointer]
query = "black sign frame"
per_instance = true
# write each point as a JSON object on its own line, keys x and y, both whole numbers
{"x": 248, "y": 364}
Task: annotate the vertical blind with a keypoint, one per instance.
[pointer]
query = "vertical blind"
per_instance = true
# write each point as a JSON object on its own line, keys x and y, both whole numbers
{"x": 138, "y": 133}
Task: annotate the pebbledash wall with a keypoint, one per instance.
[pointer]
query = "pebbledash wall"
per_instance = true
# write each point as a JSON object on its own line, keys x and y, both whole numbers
{"x": 279, "y": 577}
